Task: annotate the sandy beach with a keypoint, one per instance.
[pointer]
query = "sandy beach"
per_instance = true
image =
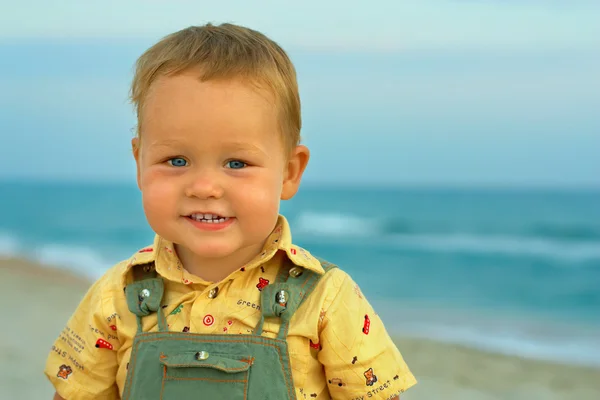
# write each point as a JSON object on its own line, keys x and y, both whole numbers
{"x": 38, "y": 301}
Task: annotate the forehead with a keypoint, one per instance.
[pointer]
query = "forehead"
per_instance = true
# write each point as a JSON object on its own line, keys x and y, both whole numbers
{"x": 182, "y": 105}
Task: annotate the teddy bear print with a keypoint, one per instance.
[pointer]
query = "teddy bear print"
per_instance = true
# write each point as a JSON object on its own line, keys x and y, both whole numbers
{"x": 371, "y": 377}
{"x": 64, "y": 371}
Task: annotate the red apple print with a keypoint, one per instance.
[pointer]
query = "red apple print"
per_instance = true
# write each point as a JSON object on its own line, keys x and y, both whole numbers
{"x": 293, "y": 251}
{"x": 315, "y": 345}
{"x": 225, "y": 329}
{"x": 186, "y": 281}
{"x": 146, "y": 250}
{"x": 103, "y": 344}
{"x": 113, "y": 327}
{"x": 262, "y": 283}
{"x": 229, "y": 322}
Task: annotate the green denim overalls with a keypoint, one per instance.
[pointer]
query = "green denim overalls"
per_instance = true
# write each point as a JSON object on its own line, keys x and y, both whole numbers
{"x": 181, "y": 365}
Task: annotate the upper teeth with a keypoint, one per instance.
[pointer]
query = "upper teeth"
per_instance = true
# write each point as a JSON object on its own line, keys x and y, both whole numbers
{"x": 209, "y": 217}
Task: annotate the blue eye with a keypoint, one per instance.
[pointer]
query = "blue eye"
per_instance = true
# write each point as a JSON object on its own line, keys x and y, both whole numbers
{"x": 177, "y": 162}
{"x": 236, "y": 164}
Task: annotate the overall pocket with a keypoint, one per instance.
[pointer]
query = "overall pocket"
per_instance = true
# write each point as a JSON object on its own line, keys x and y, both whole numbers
{"x": 203, "y": 375}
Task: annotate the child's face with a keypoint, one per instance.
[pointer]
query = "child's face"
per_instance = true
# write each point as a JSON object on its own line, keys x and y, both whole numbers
{"x": 213, "y": 148}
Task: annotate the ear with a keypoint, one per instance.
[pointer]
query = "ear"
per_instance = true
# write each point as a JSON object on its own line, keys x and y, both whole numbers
{"x": 135, "y": 147}
{"x": 295, "y": 167}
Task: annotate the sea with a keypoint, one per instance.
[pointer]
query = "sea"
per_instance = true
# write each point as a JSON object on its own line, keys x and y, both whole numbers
{"x": 515, "y": 271}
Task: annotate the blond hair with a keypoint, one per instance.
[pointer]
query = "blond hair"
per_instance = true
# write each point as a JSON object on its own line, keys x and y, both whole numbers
{"x": 226, "y": 51}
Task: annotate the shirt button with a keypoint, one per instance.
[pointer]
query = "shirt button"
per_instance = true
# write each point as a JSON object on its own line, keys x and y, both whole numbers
{"x": 144, "y": 293}
{"x": 296, "y": 272}
{"x": 202, "y": 355}
{"x": 212, "y": 293}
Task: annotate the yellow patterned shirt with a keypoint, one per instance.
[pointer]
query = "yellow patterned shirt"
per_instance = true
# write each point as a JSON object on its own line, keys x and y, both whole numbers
{"x": 339, "y": 348}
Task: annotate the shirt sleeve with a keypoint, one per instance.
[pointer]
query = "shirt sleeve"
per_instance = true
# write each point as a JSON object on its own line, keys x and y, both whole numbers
{"x": 82, "y": 363}
{"x": 359, "y": 357}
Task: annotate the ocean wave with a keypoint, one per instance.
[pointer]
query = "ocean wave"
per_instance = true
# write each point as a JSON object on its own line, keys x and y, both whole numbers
{"x": 332, "y": 224}
{"x": 82, "y": 261}
{"x": 8, "y": 245}
{"x": 401, "y": 235}
{"x": 510, "y": 333}
{"x": 566, "y": 232}
{"x": 501, "y": 245}
{"x": 577, "y": 350}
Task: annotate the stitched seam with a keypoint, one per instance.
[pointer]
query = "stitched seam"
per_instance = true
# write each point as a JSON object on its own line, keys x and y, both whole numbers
{"x": 162, "y": 389}
{"x": 169, "y": 378}
{"x": 224, "y": 369}
{"x": 132, "y": 366}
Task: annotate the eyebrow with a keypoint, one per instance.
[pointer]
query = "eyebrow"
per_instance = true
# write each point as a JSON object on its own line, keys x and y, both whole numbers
{"x": 166, "y": 143}
{"x": 243, "y": 146}
{"x": 231, "y": 146}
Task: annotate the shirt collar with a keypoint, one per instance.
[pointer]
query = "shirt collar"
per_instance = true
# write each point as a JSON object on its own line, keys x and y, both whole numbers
{"x": 168, "y": 265}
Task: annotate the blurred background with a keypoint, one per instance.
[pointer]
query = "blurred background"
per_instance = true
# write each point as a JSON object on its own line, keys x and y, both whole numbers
{"x": 454, "y": 174}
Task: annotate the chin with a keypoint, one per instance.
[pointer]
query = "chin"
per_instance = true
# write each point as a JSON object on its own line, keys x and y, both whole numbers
{"x": 206, "y": 250}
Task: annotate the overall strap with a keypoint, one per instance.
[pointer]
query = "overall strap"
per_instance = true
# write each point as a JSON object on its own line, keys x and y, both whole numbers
{"x": 144, "y": 294}
{"x": 282, "y": 298}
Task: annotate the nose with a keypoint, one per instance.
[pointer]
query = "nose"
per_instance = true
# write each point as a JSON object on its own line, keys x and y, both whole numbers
{"x": 204, "y": 185}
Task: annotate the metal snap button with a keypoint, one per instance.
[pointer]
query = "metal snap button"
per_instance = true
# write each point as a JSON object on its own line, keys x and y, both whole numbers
{"x": 212, "y": 293}
{"x": 202, "y": 355}
{"x": 282, "y": 298}
{"x": 144, "y": 293}
{"x": 296, "y": 272}
{"x": 148, "y": 267}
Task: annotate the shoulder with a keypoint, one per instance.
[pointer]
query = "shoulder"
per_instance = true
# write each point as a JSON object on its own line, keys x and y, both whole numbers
{"x": 334, "y": 277}
{"x": 114, "y": 279}
{"x": 334, "y": 282}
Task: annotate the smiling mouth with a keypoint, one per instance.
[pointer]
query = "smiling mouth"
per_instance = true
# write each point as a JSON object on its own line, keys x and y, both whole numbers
{"x": 209, "y": 218}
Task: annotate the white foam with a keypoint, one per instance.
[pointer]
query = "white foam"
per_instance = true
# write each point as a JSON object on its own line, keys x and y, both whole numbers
{"x": 335, "y": 224}
{"x": 504, "y": 245}
{"x": 9, "y": 245}
{"x": 500, "y": 332}
{"x": 80, "y": 260}
{"x": 573, "y": 350}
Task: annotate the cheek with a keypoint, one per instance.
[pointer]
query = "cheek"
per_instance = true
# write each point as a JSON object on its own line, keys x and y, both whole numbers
{"x": 261, "y": 193}
{"x": 157, "y": 194}
{"x": 258, "y": 202}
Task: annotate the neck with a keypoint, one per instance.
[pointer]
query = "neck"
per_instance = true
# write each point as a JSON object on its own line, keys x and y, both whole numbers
{"x": 216, "y": 269}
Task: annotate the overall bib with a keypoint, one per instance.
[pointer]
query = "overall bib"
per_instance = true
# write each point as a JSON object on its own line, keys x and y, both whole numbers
{"x": 181, "y": 365}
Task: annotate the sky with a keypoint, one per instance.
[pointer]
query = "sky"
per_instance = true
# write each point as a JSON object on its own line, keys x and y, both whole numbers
{"x": 394, "y": 92}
